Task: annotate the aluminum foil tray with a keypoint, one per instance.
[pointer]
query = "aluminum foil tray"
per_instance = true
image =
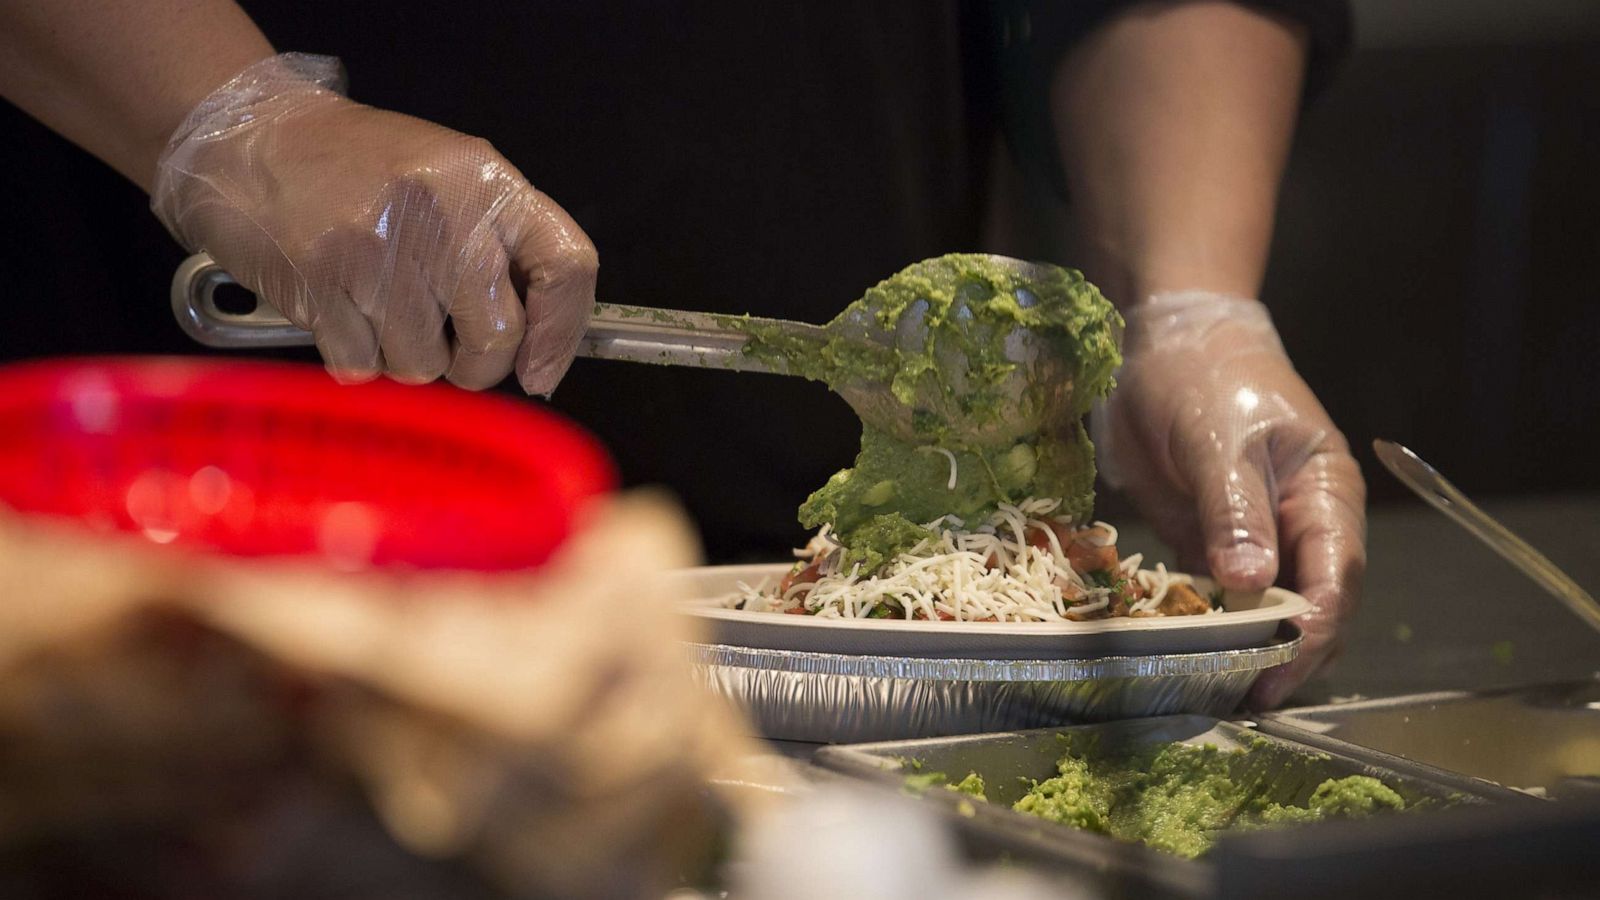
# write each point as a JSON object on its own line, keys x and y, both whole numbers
{"x": 1009, "y": 761}
{"x": 838, "y": 698}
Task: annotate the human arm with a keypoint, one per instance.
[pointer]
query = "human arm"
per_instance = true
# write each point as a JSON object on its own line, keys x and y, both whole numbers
{"x": 116, "y": 78}
{"x": 367, "y": 227}
{"x": 1174, "y": 122}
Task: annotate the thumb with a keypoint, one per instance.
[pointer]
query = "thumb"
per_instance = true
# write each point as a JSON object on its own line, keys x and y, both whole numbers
{"x": 1237, "y": 513}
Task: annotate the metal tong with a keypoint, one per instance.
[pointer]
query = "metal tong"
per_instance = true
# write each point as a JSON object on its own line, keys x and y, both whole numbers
{"x": 1428, "y": 484}
{"x": 616, "y": 331}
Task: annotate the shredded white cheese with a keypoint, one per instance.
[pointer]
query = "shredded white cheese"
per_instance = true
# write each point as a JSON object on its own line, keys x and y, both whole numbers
{"x": 991, "y": 573}
{"x": 954, "y": 469}
{"x": 949, "y": 576}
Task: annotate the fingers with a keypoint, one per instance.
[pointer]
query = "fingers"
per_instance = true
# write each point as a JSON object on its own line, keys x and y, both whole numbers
{"x": 411, "y": 331}
{"x": 560, "y": 266}
{"x": 409, "y": 253}
{"x": 1172, "y": 515}
{"x": 1237, "y": 514}
{"x": 1210, "y": 413}
{"x": 431, "y": 225}
{"x": 1277, "y": 685}
{"x": 308, "y": 288}
{"x": 330, "y": 291}
{"x": 320, "y": 303}
{"x": 1324, "y": 534}
{"x": 345, "y": 338}
{"x": 489, "y": 324}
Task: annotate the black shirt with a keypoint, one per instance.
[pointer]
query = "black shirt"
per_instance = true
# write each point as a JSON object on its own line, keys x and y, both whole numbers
{"x": 731, "y": 157}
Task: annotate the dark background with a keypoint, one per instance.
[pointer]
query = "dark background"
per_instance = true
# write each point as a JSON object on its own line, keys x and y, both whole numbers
{"x": 1434, "y": 267}
{"x": 1433, "y": 272}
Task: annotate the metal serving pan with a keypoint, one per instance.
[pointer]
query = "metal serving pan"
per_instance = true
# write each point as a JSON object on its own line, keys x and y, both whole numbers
{"x": 1008, "y": 762}
{"x": 843, "y": 698}
{"x": 1544, "y": 737}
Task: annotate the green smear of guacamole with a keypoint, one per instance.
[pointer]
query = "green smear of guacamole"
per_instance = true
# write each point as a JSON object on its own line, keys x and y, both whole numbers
{"x": 922, "y": 781}
{"x": 1352, "y": 797}
{"x": 1503, "y": 652}
{"x": 972, "y": 785}
{"x": 901, "y": 480}
{"x": 1179, "y": 798}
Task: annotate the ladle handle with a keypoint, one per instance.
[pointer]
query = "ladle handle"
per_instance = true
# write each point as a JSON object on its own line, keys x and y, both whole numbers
{"x": 630, "y": 333}
{"x": 194, "y": 305}
{"x": 1432, "y": 487}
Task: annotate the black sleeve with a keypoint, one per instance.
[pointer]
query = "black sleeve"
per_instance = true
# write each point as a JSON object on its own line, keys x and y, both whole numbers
{"x": 1033, "y": 35}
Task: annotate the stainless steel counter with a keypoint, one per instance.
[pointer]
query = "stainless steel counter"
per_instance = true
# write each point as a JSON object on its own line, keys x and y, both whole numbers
{"x": 1442, "y": 612}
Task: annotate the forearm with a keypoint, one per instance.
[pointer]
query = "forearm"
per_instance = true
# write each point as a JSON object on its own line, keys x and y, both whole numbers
{"x": 1174, "y": 121}
{"x": 116, "y": 77}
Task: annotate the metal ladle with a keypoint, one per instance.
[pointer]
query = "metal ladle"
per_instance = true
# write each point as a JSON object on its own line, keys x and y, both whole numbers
{"x": 1428, "y": 484}
{"x": 706, "y": 340}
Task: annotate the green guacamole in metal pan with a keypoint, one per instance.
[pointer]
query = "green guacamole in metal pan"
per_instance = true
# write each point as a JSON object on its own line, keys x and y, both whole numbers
{"x": 1179, "y": 797}
{"x": 970, "y": 308}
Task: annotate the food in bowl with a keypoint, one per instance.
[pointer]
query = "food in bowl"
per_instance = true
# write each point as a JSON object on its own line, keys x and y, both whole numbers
{"x": 1023, "y": 564}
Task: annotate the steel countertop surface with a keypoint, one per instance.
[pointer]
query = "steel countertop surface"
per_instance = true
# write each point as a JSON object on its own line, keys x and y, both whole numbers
{"x": 1442, "y": 612}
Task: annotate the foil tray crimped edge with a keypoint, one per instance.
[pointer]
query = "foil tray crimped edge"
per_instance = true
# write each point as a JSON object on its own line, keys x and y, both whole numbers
{"x": 832, "y": 698}
{"x": 849, "y": 709}
{"x": 1250, "y": 659}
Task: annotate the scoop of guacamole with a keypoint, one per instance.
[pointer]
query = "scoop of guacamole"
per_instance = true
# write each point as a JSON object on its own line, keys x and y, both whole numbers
{"x": 1179, "y": 798}
{"x": 966, "y": 310}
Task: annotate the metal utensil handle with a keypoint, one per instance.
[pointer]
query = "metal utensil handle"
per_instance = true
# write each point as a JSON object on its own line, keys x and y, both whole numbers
{"x": 1432, "y": 487}
{"x": 678, "y": 338}
{"x": 194, "y": 288}
{"x": 629, "y": 333}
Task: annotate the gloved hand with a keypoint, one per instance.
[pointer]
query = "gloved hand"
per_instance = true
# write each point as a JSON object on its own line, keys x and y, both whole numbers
{"x": 1227, "y": 452}
{"x": 370, "y": 228}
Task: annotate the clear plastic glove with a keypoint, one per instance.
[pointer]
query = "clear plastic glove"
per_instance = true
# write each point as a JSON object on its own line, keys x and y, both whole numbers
{"x": 1231, "y": 457}
{"x": 370, "y": 229}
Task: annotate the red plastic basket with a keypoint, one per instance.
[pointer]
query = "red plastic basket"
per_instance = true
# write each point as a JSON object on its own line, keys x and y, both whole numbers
{"x": 269, "y": 459}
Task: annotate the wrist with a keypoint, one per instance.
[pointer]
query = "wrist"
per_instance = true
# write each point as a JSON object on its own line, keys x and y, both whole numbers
{"x": 275, "y": 78}
{"x": 265, "y": 92}
{"x": 1129, "y": 273}
{"x": 1225, "y": 324}
{"x": 1165, "y": 274}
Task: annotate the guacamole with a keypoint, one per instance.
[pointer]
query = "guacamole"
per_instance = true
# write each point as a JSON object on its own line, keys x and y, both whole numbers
{"x": 972, "y": 785}
{"x": 965, "y": 436}
{"x": 1179, "y": 797}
